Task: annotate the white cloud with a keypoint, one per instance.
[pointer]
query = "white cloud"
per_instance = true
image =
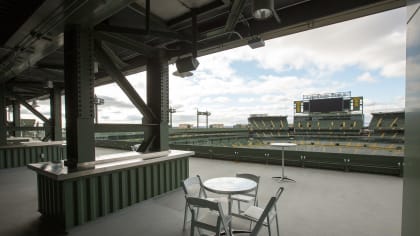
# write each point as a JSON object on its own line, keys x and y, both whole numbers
{"x": 375, "y": 42}
{"x": 246, "y": 100}
{"x": 395, "y": 69}
{"x": 290, "y": 66}
{"x": 218, "y": 99}
{"x": 366, "y": 77}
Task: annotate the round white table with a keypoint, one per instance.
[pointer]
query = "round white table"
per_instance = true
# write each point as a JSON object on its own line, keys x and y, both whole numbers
{"x": 283, "y": 146}
{"x": 230, "y": 186}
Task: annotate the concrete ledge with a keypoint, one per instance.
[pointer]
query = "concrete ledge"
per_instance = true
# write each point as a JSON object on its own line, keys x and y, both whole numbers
{"x": 106, "y": 163}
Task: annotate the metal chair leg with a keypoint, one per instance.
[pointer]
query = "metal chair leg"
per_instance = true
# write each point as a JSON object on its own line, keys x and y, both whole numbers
{"x": 185, "y": 216}
{"x": 192, "y": 230}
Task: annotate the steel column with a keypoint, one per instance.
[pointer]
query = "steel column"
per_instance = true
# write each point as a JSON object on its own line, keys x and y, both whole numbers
{"x": 411, "y": 191}
{"x": 55, "y": 118}
{"x": 158, "y": 101}
{"x": 3, "y": 130}
{"x": 16, "y": 118}
{"x": 79, "y": 92}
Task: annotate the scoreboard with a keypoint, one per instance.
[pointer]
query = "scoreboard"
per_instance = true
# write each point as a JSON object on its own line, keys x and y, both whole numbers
{"x": 326, "y": 105}
{"x": 332, "y": 104}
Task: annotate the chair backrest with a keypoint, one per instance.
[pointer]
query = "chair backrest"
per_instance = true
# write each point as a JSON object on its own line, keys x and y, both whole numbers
{"x": 193, "y": 187}
{"x": 268, "y": 208}
{"x": 253, "y": 177}
{"x": 196, "y": 204}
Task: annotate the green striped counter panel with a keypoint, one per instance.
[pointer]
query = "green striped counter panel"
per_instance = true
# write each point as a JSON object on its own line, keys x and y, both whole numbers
{"x": 78, "y": 197}
{"x": 23, "y": 154}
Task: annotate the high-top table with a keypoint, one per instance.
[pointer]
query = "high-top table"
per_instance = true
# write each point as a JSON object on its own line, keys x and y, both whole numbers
{"x": 283, "y": 146}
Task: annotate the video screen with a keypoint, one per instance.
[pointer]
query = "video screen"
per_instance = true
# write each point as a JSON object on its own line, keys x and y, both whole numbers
{"x": 326, "y": 105}
{"x": 306, "y": 107}
{"x": 346, "y": 104}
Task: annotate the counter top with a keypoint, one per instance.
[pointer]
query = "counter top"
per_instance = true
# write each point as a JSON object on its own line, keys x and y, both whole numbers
{"x": 33, "y": 144}
{"x": 107, "y": 163}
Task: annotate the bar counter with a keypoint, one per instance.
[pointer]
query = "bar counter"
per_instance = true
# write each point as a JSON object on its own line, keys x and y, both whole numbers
{"x": 71, "y": 198}
{"x": 21, "y": 154}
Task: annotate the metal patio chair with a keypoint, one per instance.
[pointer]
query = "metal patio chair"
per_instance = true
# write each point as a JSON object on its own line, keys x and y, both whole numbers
{"x": 263, "y": 216}
{"x": 193, "y": 187}
{"x": 251, "y": 197}
{"x": 213, "y": 219}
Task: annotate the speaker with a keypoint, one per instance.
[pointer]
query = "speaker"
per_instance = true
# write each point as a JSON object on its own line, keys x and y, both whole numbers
{"x": 186, "y": 64}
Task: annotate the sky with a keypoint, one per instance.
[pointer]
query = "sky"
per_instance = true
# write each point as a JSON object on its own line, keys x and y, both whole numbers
{"x": 365, "y": 56}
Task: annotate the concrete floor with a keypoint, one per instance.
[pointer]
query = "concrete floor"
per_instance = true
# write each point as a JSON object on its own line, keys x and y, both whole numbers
{"x": 320, "y": 203}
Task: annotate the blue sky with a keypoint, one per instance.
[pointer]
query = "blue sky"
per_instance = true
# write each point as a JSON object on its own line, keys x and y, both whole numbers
{"x": 365, "y": 56}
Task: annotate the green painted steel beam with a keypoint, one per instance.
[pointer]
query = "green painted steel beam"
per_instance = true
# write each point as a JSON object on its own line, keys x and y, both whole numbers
{"x": 127, "y": 42}
{"x": 104, "y": 128}
{"x": 141, "y": 32}
{"x": 79, "y": 92}
{"x": 158, "y": 101}
{"x": 31, "y": 109}
{"x": 123, "y": 83}
{"x": 3, "y": 130}
{"x": 55, "y": 107}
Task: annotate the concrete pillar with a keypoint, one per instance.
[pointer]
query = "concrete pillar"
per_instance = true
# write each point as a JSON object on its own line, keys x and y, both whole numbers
{"x": 411, "y": 190}
{"x": 55, "y": 119}
{"x": 16, "y": 118}
{"x": 3, "y": 130}
{"x": 158, "y": 101}
{"x": 79, "y": 88}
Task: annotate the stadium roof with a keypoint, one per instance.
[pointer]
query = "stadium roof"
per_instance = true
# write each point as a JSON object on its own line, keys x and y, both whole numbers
{"x": 31, "y": 43}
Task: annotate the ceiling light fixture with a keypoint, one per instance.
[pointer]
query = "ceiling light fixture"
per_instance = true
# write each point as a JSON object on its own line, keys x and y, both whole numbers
{"x": 261, "y": 9}
{"x": 264, "y": 9}
{"x": 256, "y": 42}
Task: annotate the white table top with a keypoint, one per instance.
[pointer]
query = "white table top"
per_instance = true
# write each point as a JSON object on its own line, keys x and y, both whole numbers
{"x": 229, "y": 185}
{"x": 283, "y": 144}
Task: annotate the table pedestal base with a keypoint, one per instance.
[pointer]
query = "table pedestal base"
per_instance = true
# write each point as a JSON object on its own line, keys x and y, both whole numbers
{"x": 236, "y": 231}
{"x": 284, "y": 179}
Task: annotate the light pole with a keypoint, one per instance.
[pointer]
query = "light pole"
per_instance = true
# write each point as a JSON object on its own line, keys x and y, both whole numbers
{"x": 97, "y": 102}
{"x": 203, "y": 113}
{"x": 171, "y": 111}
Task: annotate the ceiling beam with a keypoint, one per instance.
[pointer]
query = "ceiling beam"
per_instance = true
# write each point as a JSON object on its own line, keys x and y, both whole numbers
{"x": 141, "y": 32}
{"x": 158, "y": 27}
{"x": 126, "y": 42}
{"x": 103, "y": 127}
{"x": 113, "y": 56}
{"x": 28, "y": 52}
{"x": 9, "y": 68}
{"x": 237, "y": 8}
{"x": 94, "y": 12}
{"x": 207, "y": 10}
{"x": 155, "y": 21}
{"x": 232, "y": 20}
{"x": 56, "y": 67}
